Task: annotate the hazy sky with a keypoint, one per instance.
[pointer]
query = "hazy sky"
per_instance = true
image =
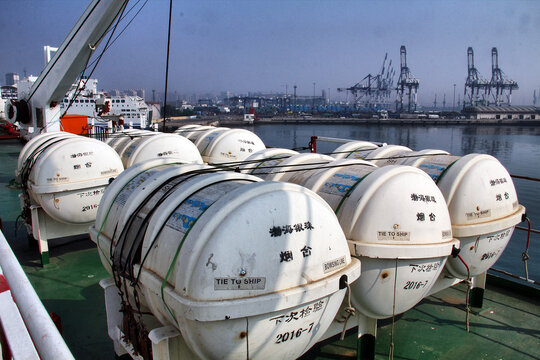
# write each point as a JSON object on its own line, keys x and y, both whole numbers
{"x": 251, "y": 45}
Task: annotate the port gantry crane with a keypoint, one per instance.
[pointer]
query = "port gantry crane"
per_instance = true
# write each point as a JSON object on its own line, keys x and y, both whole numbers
{"x": 406, "y": 81}
{"x": 374, "y": 91}
{"x": 500, "y": 85}
{"x": 478, "y": 89}
{"x": 474, "y": 84}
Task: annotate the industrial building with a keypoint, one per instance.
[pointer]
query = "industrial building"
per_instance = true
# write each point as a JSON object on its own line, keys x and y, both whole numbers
{"x": 501, "y": 112}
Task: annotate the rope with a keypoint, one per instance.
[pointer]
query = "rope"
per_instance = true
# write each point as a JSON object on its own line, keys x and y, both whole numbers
{"x": 525, "y": 255}
{"x": 391, "y": 350}
{"x": 469, "y": 285}
{"x": 17, "y": 226}
{"x": 247, "y": 338}
{"x": 167, "y": 66}
{"x": 349, "y": 309}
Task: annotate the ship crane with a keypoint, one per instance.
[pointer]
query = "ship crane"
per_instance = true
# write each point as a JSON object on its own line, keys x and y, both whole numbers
{"x": 39, "y": 110}
{"x": 406, "y": 83}
{"x": 373, "y": 91}
{"x": 500, "y": 85}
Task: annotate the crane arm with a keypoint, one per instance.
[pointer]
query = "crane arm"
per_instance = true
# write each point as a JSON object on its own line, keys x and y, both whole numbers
{"x": 39, "y": 110}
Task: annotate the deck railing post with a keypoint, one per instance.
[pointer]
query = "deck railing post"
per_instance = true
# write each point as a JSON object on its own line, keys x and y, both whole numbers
{"x": 313, "y": 144}
{"x": 367, "y": 333}
{"x": 476, "y": 298}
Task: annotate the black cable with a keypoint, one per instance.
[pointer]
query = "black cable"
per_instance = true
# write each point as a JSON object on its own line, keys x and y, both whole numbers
{"x": 162, "y": 226}
{"x": 125, "y": 27}
{"x": 119, "y": 15}
{"x": 301, "y": 148}
{"x": 524, "y": 177}
{"x": 121, "y": 18}
{"x": 385, "y": 158}
{"x": 30, "y": 161}
{"x": 62, "y": 52}
{"x": 240, "y": 163}
{"x": 118, "y": 250}
{"x": 304, "y": 169}
{"x": 127, "y": 267}
{"x": 167, "y": 66}
{"x": 109, "y": 44}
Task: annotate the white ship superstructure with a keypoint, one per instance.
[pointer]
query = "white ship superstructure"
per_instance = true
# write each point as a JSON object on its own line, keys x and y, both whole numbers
{"x": 133, "y": 109}
{"x": 7, "y": 92}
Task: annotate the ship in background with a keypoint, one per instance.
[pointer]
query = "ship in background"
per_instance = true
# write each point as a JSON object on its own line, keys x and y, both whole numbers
{"x": 84, "y": 99}
{"x": 83, "y": 104}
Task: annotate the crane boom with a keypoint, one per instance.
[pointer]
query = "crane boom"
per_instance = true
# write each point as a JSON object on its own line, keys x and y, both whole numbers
{"x": 38, "y": 111}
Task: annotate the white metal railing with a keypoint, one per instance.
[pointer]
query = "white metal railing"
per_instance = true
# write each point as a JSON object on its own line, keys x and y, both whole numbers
{"x": 16, "y": 335}
{"x": 343, "y": 141}
{"x": 44, "y": 335}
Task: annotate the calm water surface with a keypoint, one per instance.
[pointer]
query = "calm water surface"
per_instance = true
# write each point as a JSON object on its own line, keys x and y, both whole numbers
{"x": 517, "y": 148}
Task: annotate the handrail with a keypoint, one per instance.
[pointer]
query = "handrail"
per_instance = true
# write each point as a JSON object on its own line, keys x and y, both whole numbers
{"x": 48, "y": 341}
{"x": 342, "y": 140}
{"x": 534, "y": 231}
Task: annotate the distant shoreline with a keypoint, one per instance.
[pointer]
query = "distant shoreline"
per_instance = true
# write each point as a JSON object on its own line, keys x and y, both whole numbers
{"x": 238, "y": 121}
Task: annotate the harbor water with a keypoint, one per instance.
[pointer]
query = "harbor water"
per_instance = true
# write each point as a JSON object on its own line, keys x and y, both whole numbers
{"x": 517, "y": 148}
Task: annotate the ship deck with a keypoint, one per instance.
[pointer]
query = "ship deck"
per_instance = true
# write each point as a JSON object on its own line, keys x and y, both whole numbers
{"x": 506, "y": 327}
